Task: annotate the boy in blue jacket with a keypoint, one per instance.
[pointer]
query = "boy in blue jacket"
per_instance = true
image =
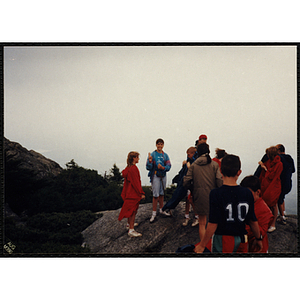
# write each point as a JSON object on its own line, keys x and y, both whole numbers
{"x": 158, "y": 164}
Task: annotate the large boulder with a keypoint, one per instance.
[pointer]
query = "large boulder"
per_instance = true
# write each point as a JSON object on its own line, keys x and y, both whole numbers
{"x": 25, "y": 173}
{"x": 19, "y": 158}
{"x": 108, "y": 236}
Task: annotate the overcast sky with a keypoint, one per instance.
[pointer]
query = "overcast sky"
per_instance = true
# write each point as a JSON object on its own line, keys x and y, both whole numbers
{"x": 95, "y": 104}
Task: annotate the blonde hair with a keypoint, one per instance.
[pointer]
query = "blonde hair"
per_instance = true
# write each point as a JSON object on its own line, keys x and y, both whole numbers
{"x": 130, "y": 157}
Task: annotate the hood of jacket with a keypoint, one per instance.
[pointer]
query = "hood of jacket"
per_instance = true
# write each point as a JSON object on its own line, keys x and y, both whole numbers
{"x": 125, "y": 172}
{"x": 275, "y": 160}
{"x": 201, "y": 161}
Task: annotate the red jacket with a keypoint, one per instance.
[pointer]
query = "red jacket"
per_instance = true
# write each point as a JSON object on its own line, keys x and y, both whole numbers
{"x": 264, "y": 218}
{"x": 218, "y": 161}
{"x": 132, "y": 191}
{"x": 270, "y": 181}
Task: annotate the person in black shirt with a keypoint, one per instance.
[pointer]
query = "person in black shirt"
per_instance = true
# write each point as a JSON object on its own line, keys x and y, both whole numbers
{"x": 286, "y": 180}
{"x": 231, "y": 207}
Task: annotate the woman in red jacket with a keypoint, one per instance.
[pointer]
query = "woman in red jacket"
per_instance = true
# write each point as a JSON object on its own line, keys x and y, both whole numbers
{"x": 270, "y": 182}
{"x": 132, "y": 192}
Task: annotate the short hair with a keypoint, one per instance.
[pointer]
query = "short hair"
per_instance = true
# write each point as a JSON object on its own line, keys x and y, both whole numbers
{"x": 220, "y": 153}
{"x": 280, "y": 147}
{"x": 230, "y": 165}
{"x": 191, "y": 150}
{"x": 160, "y": 141}
{"x": 130, "y": 156}
{"x": 271, "y": 152}
{"x": 251, "y": 182}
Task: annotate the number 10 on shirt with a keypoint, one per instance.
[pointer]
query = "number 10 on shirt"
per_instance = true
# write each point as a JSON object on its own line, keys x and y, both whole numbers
{"x": 242, "y": 213}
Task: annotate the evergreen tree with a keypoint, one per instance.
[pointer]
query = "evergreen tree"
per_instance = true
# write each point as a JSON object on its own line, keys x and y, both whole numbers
{"x": 115, "y": 175}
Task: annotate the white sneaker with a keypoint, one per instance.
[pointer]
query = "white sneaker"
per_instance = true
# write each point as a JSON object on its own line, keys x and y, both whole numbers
{"x": 196, "y": 222}
{"x": 166, "y": 213}
{"x": 134, "y": 234}
{"x": 271, "y": 229}
{"x": 152, "y": 219}
{"x": 186, "y": 221}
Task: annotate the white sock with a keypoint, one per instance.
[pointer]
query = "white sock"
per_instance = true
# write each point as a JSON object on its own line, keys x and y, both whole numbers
{"x": 131, "y": 230}
{"x": 196, "y": 217}
{"x": 160, "y": 210}
{"x": 153, "y": 213}
{"x": 187, "y": 216}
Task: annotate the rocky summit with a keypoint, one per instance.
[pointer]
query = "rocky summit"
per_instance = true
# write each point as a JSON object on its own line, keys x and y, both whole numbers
{"x": 19, "y": 158}
{"x": 108, "y": 236}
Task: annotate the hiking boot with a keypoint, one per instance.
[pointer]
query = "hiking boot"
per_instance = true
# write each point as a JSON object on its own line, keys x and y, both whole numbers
{"x": 186, "y": 221}
{"x": 196, "y": 222}
{"x": 134, "y": 234}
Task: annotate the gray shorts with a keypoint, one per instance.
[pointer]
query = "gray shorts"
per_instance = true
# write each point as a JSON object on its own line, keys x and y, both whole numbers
{"x": 158, "y": 185}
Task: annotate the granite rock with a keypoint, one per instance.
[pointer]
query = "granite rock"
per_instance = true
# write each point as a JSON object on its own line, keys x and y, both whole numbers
{"x": 18, "y": 157}
{"x": 108, "y": 236}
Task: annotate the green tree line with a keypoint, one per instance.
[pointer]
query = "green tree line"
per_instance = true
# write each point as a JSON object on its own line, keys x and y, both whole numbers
{"x": 73, "y": 197}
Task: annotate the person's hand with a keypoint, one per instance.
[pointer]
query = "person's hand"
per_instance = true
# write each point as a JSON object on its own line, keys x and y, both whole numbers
{"x": 262, "y": 165}
{"x": 199, "y": 249}
{"x": 149, "y": 157}
{"x": 160, "y": 167}
{"x": 257, "y": 246}
{"x": 184, "y": 162}
{"x": 143, "y": 197}
{"x": 188, "y": 164}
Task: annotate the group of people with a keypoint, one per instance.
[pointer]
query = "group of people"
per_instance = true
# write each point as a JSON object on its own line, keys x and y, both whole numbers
{"x": 239, "y": 216}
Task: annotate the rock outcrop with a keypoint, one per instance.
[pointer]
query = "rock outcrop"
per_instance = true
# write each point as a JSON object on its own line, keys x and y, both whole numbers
{"x": 108, "y": 236}
{"x": 20, "y": 158}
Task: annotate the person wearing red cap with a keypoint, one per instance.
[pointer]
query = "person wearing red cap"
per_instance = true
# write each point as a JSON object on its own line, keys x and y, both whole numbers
{"x": 202, "y": 139}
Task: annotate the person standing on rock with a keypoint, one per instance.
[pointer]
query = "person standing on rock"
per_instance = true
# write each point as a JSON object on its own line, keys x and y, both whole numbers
{"x": 202, "y": 176}
{"x": 286, "y": 180}
{"x": 132, "y": 193}
{"x": 180, "y": 192}
{"x": 271, "y": 182}
{"x": 158, "y": 164}
{"x": 230, "y": 208}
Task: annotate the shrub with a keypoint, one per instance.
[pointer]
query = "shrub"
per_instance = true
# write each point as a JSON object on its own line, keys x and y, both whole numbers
{"x": 50, "y": 232}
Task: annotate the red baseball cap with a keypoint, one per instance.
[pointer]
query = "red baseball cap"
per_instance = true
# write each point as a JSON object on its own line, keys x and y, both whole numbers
{"x": 202, "y": 136}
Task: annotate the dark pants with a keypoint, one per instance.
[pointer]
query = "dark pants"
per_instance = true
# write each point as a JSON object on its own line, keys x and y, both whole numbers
{"x": 177, "y": 196}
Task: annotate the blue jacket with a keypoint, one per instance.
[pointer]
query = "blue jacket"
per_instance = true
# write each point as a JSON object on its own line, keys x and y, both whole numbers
{"x": 158, "y": 158}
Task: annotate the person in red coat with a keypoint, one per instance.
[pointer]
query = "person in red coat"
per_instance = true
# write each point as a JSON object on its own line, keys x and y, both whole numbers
{"x": 263, "y": 214}
{"x": 220, "y": 153}
{"x": 270, "y": 182}
{"x": 132, "y": 192}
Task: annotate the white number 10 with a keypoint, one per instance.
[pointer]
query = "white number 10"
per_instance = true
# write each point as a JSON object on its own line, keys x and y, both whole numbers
{"x": 239, "y": 209}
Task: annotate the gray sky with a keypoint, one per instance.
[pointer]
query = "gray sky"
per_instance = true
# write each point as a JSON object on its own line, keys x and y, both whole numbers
{"x": 95, "y": 104}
